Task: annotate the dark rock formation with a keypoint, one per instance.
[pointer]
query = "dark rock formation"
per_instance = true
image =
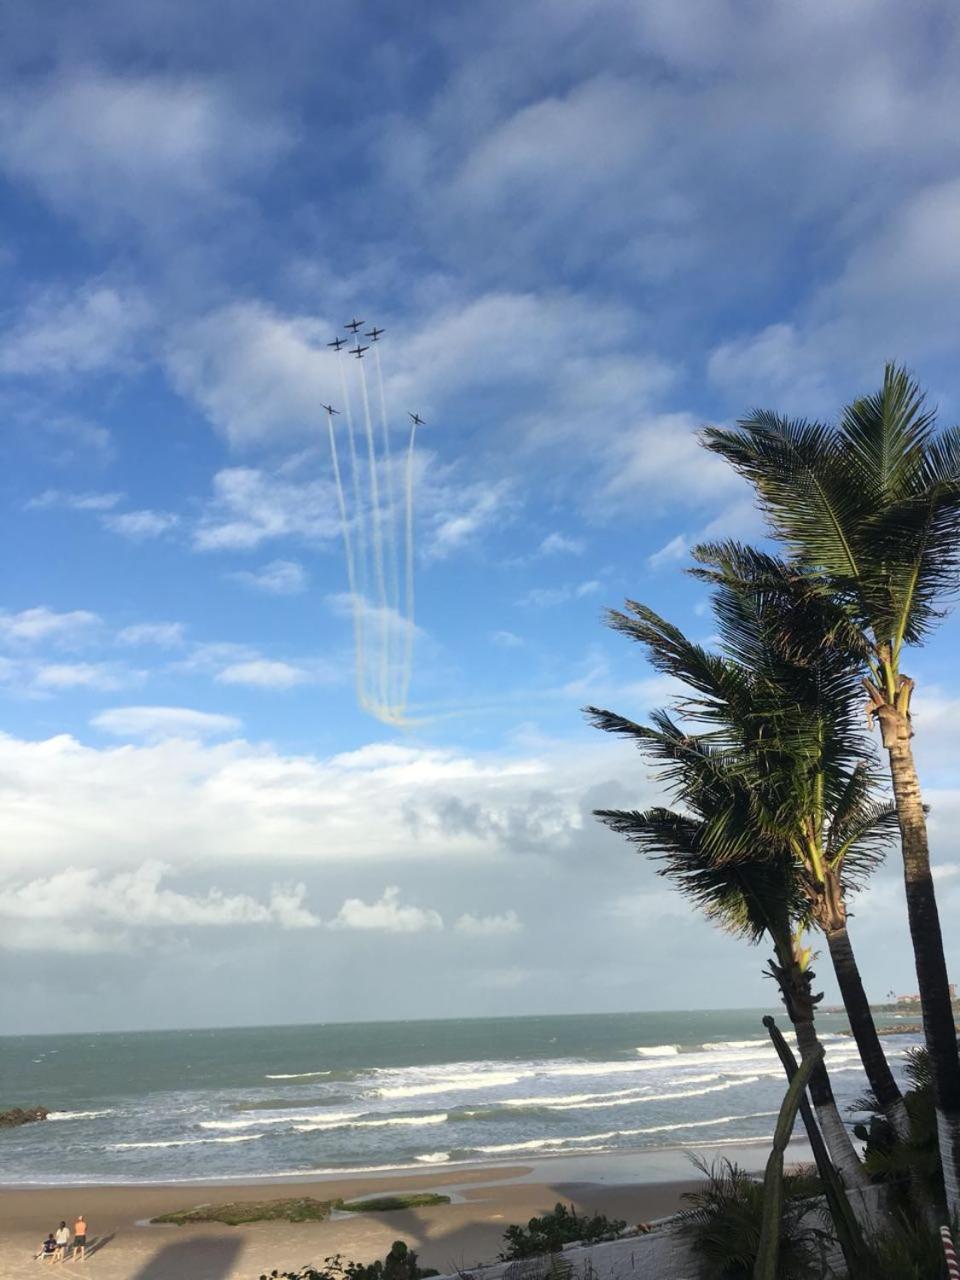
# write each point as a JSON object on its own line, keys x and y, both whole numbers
{"x": 17, "y": 1115}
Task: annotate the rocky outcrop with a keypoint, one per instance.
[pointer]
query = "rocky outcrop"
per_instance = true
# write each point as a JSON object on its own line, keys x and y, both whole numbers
{"x": 17, "y": 1115}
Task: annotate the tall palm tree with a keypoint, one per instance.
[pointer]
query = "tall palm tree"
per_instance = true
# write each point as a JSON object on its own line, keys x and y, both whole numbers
{"x": 701, "y": 852}
{"x": 810, "y": 764}
{"x": 872, "y": 507}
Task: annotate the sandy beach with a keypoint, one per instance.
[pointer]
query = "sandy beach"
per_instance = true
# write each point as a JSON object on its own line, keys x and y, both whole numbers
{"x": 458, "y": 1235}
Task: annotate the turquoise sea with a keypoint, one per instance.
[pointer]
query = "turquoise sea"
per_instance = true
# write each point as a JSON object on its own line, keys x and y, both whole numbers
{"x": 252, "y": 1102}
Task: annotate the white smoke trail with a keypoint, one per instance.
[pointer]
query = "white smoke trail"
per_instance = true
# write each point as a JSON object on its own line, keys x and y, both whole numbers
{"x": 391, "y": 516}
{"x": 351, "y": 574}
{"x": 407, "y": 668}
{"x": 385, "y": 628}
{"x": 359, "y": 589}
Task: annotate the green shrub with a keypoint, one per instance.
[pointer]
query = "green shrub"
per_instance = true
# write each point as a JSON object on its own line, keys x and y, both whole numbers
{"x": 555, "y": 1229}
{"x": 399, "y": 1264}
{"x": 383, "y": 1204}
{"x": 724, "y": 1220}
{"x": 303, "y": 1209}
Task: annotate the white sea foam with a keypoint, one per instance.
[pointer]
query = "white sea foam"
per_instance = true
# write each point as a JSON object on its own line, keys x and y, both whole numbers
{"x": 453, "y": 1084}
{"x": 658, "y": 1050}
{"x": 287, "y": 1118}
{"x": 297, "y": 1075}
{"x": 79, "y": 1115}
{"x": 434, "y": 1157}
{"x": 547, "y": 1144}
{"x": 413, "y": 1121}
{"x": 181, "y": 1142}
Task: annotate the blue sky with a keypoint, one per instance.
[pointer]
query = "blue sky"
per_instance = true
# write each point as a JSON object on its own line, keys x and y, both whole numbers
{"x": 587, "y": 229}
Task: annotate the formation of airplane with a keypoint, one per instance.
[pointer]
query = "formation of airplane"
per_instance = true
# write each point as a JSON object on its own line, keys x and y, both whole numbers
{"x": 330, "y": 409}
{"x": 358, "y": 351}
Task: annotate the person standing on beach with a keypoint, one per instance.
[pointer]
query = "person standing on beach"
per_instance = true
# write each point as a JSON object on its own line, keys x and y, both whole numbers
{"x": 80, "y": 1237}
{"x": 62, "y": 1238}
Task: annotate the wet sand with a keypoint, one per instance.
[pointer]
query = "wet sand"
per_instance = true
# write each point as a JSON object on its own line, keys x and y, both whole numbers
{"x": 448, "y": 1237}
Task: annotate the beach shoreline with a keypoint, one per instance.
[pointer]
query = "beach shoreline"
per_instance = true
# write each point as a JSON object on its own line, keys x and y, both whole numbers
{"x": 448, "y": 1237}
{"x": 638, "y": 1187}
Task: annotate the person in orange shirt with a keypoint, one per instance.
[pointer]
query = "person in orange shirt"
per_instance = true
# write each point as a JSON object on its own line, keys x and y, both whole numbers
{"x": 80, "y": 1238}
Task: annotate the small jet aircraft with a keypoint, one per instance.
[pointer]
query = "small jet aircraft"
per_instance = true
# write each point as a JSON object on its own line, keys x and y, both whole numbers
{"x": 374, "y": 333}
{"x": 358, "y": 351}
{"x": 354, "y": 325}
{"x": 416, "y": 419}
{"x": 330, "y": 409}
{"x": 337, "y": 343}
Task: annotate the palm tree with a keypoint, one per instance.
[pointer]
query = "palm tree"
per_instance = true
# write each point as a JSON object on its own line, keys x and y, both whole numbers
{"x": 701, "y": 852}
{"x": 871, "y": 508}
{"x": 811, "y": 765}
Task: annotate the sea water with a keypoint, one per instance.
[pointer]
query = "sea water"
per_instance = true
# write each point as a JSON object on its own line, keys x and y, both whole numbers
{"x": 345, "y": 1098}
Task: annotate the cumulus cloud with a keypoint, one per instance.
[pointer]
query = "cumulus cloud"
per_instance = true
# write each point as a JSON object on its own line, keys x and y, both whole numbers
{"x": 32, "y": 626}
{"x": 250, "y": 506}
{"x": 387, "y": 915}
{"x": 560, "y": 544}
{"x": 156, "y": 149}
{"x": 489, "y": 926}
{"x": 262, "y": 673}
{"x": 278, "y": 578}
{"x": 547, "y": 597}
{"x": 141, "y": 525}
{"x": 112, "y": 909}
{"x": 73, "y": 501}
{"x": 58, "y": 676}
{"x": 165, "y": 635}
{"x": 156, "y": 723}
{"x": 61, "y": 333}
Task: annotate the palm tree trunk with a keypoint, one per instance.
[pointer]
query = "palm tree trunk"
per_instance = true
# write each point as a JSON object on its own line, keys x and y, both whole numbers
{"x": 864, "y": 1031}
{"x": 835, "y": 1133}
{"x": 937, "y": 1007}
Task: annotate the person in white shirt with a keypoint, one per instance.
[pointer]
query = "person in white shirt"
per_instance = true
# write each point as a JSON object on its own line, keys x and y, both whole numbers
{"x": 62, "y": 1237}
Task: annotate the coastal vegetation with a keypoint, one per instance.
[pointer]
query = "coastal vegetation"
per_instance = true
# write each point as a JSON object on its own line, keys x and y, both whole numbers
{"x": 298, "y": 1209}
{"x": 400, "y": 1264}
{"x": 780, "y": 816}
{"x": 549, "y": 1233}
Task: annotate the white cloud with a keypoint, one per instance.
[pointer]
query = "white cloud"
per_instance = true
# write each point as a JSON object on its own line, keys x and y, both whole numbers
{"x": 250, "y": 506}
{"x": 671, "y": 552}
{"x": 166, "y": 635}
{"x": 113, "y": 908}
{"x": 73, "y": 501}
{"x": 62, "y": 333}
{"x": 387, "y": 915}
{"x": 560, "y": 544}
{"x": 42, "y": 623}
{"x": 57, "y": 676}
{"x": 256, "y": 374}
{"x": 506, "y": 640}
{"x": 263, "y": 673}
{"x": 278, "y": 578}
{"x": 489, "y": 926}
{"x": 546, "y": 597}
{"x": 157, "y": 723}
{"x": 140, "y": 525}
{"x": 464, "y": 515}
{"x": 157, "y": 149}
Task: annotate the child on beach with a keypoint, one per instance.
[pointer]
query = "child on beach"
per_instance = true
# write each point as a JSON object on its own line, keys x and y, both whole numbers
{"x": 48, "y": 1248}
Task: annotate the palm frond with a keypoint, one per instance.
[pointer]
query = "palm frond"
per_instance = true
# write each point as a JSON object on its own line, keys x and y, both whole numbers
{"x": 801, "y": 478}
{"x": 885, "y": 436}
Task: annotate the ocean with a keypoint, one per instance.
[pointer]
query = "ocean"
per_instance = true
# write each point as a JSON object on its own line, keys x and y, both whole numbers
{"x": 158, "y": 1106}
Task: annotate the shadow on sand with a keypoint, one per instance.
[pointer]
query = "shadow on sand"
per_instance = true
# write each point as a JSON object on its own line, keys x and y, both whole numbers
{"x": 200, "y": 1258}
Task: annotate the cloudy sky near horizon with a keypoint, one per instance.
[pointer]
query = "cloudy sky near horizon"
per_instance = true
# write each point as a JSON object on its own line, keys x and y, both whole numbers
{"x": 587, "y": 229}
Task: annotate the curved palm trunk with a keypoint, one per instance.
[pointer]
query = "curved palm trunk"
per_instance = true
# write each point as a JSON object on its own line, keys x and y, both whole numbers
{"x": 937, "y": 1007}
{"x": 835, "y": 1133}
{"x": 864, "y": 1031}
{"x": 800, "y": 1002}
